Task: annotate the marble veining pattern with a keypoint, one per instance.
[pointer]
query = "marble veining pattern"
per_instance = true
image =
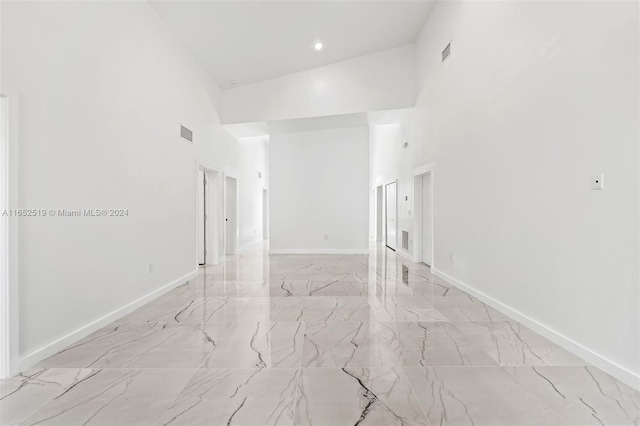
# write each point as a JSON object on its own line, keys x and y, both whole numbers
{"x": 510, "y": 343}
{"x": 359, "y": 396}
{"x": 582, "y": 395}
{"x": 243, "y": 397}
{"x": 114, "y": 397}
{"x": 317, "y": 340}
{"x": 429, "y": 344}
{"x": 477, "y": 396}
{"x": 26, "y": 393}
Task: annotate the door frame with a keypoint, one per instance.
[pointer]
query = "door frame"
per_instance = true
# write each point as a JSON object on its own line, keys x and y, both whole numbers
{"x": 234, "y": 249}
{"x": 380, "y": 213}
{"x": 395, "y": 181}
{"x": 418, "y": 173}
{"x": 202, "y": 217}
{"x": 265, "y": 213}
{"x": 212, "y": 226}
{"x": 9, "y": 243}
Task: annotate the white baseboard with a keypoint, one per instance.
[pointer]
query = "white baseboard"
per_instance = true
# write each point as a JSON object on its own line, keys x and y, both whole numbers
{"x": 55, "y": 347}
{"x": 318, "y": 251}
{"x": 617, "y": 371}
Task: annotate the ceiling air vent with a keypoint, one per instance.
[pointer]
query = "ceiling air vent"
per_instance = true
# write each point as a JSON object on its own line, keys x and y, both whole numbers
{"x": 186, "y": 134}
{"x": 446, "y": 52}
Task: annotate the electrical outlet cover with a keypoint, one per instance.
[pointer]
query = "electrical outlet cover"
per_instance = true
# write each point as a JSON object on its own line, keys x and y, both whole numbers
{"x": 597, "y": 181}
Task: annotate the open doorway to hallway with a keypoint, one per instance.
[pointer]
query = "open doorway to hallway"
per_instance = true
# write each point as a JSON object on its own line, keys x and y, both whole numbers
{"x": 391, "y": 212}
{"x": 4, "y": 230}
{"x": 9, "y": 267}
{"x": 231, "y": 215}
{"x": 423, "y": 219}
{"x": 265, "y": 214}
{"x": 208, "y": 229}
{"x": 379, "y": 213}
{"x": 202, "y": 217}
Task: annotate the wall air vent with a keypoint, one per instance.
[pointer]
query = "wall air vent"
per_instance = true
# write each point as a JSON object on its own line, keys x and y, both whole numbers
{"x": 186, "y": 134}
{"x": 446, "y": 52}
{"x": 405, "y": 240}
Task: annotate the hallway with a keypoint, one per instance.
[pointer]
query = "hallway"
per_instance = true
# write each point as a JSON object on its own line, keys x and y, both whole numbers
{"x": 316, "y": 339}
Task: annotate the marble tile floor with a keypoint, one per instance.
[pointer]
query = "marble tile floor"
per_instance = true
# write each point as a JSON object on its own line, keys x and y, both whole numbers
{"x": 323, "y": 340}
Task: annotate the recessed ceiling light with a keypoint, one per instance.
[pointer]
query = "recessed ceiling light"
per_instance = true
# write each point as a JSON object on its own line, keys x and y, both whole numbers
{"x": 234, "y": 81}
{"x": 319, "y": 45}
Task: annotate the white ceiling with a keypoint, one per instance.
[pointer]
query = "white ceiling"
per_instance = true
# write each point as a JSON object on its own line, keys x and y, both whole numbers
{"x": 250, "y": 41}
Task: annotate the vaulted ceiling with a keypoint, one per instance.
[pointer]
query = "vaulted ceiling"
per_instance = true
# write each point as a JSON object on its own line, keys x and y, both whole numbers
{"x": 250, "y": 41}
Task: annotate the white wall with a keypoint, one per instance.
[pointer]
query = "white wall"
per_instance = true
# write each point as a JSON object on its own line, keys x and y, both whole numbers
{"x": 383, "y": 80}
{"x": 390, "y": 162}
{"x": 102, "y": 88}
{"x": 255, "y": 155}
{"x": 534, "y": 99}
{"x": 319, "y": 183}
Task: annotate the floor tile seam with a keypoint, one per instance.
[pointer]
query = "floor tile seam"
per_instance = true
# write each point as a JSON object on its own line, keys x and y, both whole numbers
{"x": 67, "y": 388}
{"x": 297, "y": 397}
{"x": 122, "y": 368}
{"x": 479, "y": 366}
{"x": 529, "y": 391}
{"x": 182, "y": 389}
{"x": 479, "y": 346}
{"x": 553, "y": 410}
{"x": 406, "y": 376}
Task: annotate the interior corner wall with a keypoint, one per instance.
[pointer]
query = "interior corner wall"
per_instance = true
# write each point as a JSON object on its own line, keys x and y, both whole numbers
{"x": 319, "y": 201}
{"x": 535, "y": 98}
{"x": 102, "y": 89}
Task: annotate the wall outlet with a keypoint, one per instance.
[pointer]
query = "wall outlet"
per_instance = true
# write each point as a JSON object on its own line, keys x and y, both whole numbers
{"x": 149, "y": 268}
{"x": 597, "y": 181}
{"x": 254, "y": 231}
{"x": 326, "y": 237}
{"x": 451, "y": 257}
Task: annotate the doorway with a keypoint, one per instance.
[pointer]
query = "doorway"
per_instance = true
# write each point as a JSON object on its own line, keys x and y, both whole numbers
{"x": 391, "y": 232}
{"x": 265, "y": 214}
{"x": 5, "y": 263}
{"x": 202, "y": 217}
{"x": 427, "y": 220}
{"x": 208, "y": 228}
{"x": 231, "y": 214}
{"x": 379, "y": 213}
{"x": 423, "y": 221}
{"x": 9, "y": 253}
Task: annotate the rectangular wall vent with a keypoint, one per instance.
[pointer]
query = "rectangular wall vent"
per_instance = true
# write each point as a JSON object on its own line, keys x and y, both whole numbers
{"x": 186, "y": 133}
{"x": 446, "y": 52}
{"x": 405, "y": 240}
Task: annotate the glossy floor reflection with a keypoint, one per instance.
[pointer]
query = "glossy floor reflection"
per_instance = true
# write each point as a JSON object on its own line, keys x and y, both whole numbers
{"x": 316, "y": 340}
